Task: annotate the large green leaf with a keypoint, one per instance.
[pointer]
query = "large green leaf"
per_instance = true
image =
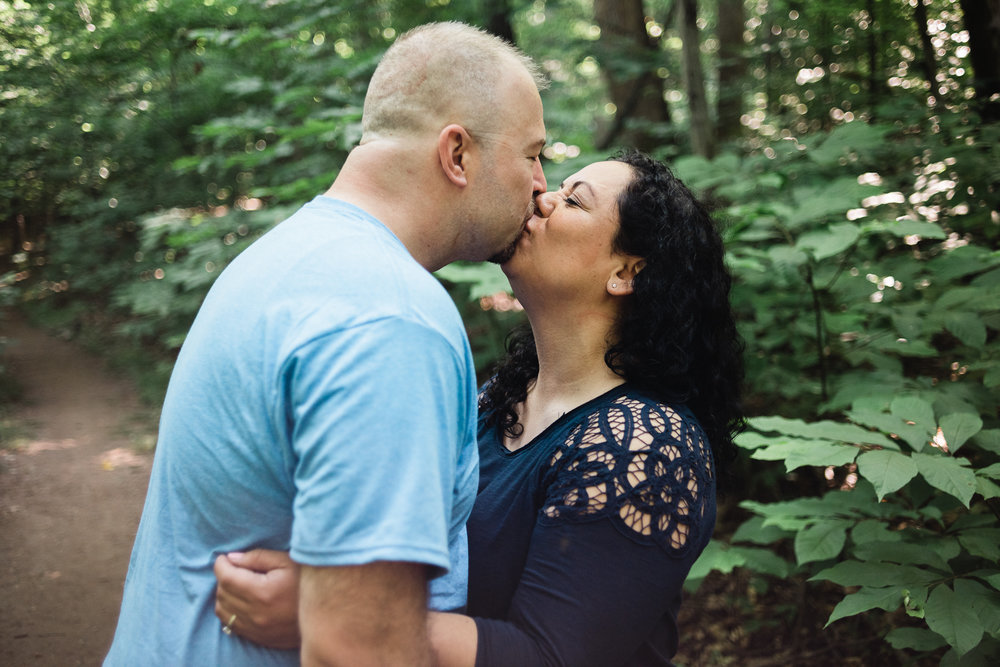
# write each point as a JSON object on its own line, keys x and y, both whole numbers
{"x": 945, "y": 473}
{"x": 754, "y": 531}
{"x": 905, "y": 227}
{"x": 831, "y": 241}
{"x": 982, "y": 542}
{"x": 988, "y": 439}
{"x": 986, "y": 488}
{"x": 985, "y": 602}
{"x": 887, "y": 471}
{"x": 915, "y": 436}
{"x": 829, "y": 430}
{"x": 958, "y": 428}
{"x": 934, "y": 553}
{"x": 914, "y": 409}
{"x": 918, "y": 639}
{"x": 821, "y": 541}
{"x": 954, "y": 619}
{"x": 857, "y": 573}
{"x": 716, "y": 556}
{"x": 797, "y": 453}
{"x": 886, "y": 599}
{"x": 967, "y": 327}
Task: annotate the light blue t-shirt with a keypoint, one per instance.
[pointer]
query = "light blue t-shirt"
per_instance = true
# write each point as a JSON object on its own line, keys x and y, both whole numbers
{"x": 324, "y": 402}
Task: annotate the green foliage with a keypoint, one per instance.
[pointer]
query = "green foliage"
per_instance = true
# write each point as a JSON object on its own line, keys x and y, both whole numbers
{"x": 876, "y": 323}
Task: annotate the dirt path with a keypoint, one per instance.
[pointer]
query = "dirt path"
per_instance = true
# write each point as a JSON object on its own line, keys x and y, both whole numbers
{"x": 70, "y": 497}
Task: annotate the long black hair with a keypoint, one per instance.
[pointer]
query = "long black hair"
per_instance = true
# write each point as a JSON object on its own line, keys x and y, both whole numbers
{"x": 676, "y": 338}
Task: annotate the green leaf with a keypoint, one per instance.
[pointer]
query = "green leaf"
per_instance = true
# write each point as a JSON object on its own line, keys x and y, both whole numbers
{"x": 798, "y": 453}
{"x": 887, "y": 471}
{"x": 982, "y": 542}
{"x": 871, "y": 530}
{"x": 754, "y": 531}
{"x": 716, "y": 556}
{"x": 992, "y": 577}
{"x": 786, "y": 256}
{"x": 901, "y": 228}
{"x": 967, "y": 327}
{"x": 958, "y": 428}
{"x": 953, "y": 619}
{"x": 946, "y": 474}
{"x": 857, "y": 573}
{"x": 988, "y": 439}
{"x": 820, "y": 541}
{"x": 985, "y": 602}
{"x": 827, "y": 430}
{"x": 992, "y": 471}
{"x": 986, "y": 488}
{"x": 917, "y": 639}
{"x": 934, "y": 553}
{"x": 764, "y": 561}
{"x": 914, "y": 409}
{"x": 915, "y": 436}
{"x": 830, "y": 241}
{"x": 886, "y": 599}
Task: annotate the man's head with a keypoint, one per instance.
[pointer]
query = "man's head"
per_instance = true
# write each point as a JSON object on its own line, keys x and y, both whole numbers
{"x": 476, "y": 97}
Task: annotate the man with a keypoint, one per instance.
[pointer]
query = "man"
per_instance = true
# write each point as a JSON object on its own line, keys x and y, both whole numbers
{"x": 324, "y": 399}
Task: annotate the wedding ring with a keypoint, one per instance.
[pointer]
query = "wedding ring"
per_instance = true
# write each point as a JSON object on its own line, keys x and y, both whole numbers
{"x": 228, "y": 627}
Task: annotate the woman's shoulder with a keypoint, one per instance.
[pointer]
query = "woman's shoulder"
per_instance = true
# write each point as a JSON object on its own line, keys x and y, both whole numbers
{"x": 642, "y": 462}
{"x": 636, "y": 419}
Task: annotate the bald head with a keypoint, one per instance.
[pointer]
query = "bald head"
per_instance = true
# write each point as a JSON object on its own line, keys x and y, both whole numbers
{"x": 442, "y": 73}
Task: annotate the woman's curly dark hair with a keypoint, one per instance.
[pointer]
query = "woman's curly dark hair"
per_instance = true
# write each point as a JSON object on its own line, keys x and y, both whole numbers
{"x": 676, "y": 338}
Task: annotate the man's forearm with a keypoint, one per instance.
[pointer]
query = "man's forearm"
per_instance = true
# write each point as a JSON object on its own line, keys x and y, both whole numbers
{"x": 374, "y": 614}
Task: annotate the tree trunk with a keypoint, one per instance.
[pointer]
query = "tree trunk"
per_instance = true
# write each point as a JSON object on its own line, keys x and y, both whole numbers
{"x": 982, "y": 20}
{"x": 702, "y": 141}
{"x": 874, "y": 80}
{"x": 498, "y": 19}
{"x": 927, "y": 60}
{"x": 732, "y": 69}
{"x": 638, "y": 98}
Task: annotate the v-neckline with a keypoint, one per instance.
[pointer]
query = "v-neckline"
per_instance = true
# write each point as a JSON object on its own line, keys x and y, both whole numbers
{"x": 620, "y": 389}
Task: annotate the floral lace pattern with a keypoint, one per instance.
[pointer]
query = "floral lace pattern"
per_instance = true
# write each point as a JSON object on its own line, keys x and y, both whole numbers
{"x": 644, "y": 465}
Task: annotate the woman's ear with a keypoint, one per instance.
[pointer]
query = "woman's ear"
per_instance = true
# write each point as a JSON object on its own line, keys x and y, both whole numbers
{"x": 622, "y": 281}
{"x": 453, "y": 153}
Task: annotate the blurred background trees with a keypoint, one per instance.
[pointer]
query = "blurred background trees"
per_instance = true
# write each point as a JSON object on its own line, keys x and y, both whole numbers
{"x": 851, "y": 148}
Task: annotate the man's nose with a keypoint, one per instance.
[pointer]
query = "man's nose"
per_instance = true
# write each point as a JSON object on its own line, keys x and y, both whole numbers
{"x": 538, "y": 183}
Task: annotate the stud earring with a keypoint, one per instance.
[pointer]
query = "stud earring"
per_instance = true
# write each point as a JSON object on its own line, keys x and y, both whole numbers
{"x": 614, "y": 285}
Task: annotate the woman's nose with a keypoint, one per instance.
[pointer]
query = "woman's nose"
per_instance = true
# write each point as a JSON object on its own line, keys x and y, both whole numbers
{"x": 545, "y": 202}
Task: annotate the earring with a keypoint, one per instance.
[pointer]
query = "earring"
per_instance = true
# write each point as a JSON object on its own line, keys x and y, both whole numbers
{"x": 614, "y": 285}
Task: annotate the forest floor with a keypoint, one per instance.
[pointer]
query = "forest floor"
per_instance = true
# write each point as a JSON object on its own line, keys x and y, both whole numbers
{"x": 72, "y": 482}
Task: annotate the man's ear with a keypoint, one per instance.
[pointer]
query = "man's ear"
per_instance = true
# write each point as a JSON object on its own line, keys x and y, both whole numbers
{"x": 622, "y": 280}
{"x": 453, "y": 153}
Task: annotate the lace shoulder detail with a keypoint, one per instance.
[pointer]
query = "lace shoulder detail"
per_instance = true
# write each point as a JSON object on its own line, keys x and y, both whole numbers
{"x": 644, "y": 465}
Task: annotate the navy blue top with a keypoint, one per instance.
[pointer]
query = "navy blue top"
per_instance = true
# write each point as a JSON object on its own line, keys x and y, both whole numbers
{"x": 580, "y": 540}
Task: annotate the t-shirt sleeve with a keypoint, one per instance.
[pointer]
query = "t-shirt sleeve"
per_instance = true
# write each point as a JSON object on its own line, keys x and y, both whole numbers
{"x": 377, "y": 429}
{"x": 629, "y": 505}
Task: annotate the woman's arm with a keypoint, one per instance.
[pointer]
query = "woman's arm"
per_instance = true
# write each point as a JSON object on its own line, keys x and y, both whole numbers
{"x": 260, "y": 588}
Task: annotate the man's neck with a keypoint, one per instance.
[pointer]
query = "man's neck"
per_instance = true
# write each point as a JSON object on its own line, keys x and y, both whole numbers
{"x": 372, "y": 180}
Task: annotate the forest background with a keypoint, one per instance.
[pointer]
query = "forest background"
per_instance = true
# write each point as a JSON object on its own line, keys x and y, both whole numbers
{"x": 850, "y": 149}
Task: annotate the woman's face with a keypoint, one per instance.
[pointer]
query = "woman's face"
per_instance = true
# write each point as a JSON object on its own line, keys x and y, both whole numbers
{"x": 566, "y": 249}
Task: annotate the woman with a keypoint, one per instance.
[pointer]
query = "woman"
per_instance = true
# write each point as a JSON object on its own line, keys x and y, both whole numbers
{"x": 602, "y": 435}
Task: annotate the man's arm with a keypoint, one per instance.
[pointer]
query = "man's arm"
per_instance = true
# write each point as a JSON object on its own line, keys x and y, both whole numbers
{"x": 374, "y": 614}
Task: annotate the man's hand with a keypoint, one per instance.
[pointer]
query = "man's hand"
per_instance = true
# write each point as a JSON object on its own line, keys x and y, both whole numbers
{"x": 361, "y": 615}
{"x": 261, "y": 588}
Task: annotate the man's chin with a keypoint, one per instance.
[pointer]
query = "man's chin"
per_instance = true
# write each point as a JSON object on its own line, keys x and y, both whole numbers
{"x": 504, "y": 255}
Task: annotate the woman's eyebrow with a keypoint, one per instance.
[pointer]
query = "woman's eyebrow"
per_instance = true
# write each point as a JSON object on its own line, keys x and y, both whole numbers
{"x": 578, "y": 184}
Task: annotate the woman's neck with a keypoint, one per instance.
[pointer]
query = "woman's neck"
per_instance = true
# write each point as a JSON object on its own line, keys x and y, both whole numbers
{"x": 571, "y": 370}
